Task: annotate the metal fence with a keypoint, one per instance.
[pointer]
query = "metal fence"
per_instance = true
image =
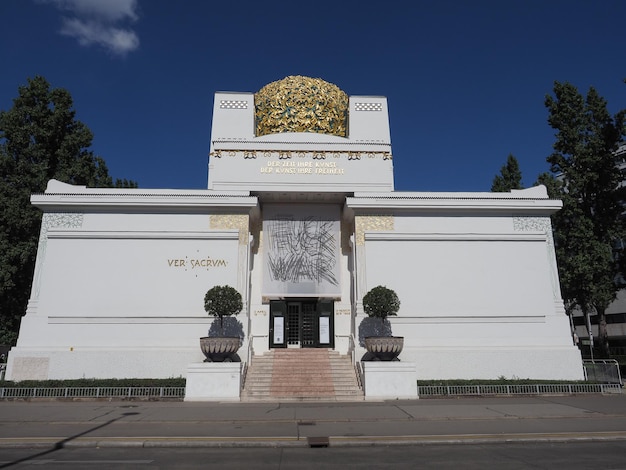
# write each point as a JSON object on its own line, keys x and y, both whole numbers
{"x": 530, "y": 389}
{"x": 423, "y": 391}
{"x": 92, "y": 392}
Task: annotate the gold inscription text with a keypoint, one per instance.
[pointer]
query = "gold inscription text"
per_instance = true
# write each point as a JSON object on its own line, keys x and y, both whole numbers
{"x": 302, "y": 168}
{"x": 197, "y": 263}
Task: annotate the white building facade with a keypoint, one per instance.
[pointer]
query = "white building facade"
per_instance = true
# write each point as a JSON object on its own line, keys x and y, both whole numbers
{"x": 301, "y": 216}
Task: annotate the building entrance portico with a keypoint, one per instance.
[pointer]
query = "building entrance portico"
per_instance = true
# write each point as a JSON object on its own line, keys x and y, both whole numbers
{"x": 301, "y": 323}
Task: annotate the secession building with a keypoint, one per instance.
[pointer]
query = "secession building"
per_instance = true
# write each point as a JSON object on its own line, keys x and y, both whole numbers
{"x": 301, "y": 216}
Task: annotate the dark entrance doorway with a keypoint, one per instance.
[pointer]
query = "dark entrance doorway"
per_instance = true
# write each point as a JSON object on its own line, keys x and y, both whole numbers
{"x": 302, "y": 323}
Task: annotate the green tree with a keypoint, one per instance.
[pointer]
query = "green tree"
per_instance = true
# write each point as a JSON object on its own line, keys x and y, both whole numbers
{"x": 40, "y": 139}
{"x": 222, "y": 301}
{"x": 510, "y": 177}
{"x": 381, "y": 302}
{"x": 589, "y": 184}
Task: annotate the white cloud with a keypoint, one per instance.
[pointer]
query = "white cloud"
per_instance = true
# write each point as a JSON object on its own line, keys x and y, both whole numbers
{"x": 119, "y": 41}
{"x": 97, "y": 22}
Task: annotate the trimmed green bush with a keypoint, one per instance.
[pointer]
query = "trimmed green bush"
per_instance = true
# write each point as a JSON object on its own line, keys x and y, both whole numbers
{"x": 222, "y": 301}
{"x": 381, "y": 302}
{"x": 171, "y": 382}
{"x": 459, "y": 382}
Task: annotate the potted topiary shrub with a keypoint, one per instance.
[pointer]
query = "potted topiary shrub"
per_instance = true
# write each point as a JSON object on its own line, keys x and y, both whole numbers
{"x": 382, "y": 302}
{"x": 221, "y": 301}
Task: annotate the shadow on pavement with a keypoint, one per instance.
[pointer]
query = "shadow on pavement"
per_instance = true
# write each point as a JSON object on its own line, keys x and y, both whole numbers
{"x": 61, "y": 444}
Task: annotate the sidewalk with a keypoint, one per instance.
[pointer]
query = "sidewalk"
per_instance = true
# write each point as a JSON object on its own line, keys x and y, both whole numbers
{"x": 178, "y": 424}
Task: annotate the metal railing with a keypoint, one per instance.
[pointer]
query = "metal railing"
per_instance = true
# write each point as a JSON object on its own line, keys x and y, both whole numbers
{"x": 359, "y": 375}
{"x": 423, "y": 391}
{"x": 352, "y": 349}
{"x": 529, "y": 389}
{"x": 244, "y": 368}
{"x": 92, "y": 392}
{"x": 603, "y": 370}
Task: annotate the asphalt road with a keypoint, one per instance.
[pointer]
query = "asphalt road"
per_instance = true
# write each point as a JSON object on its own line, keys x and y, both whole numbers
{"x": 596, "y": 455}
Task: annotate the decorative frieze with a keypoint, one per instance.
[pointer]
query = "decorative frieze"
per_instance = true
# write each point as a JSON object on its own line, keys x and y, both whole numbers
{"x": 233, "y": 104}
{"x": 534, "y": 224}
{"x": 368, "y": 106}
{"x": 377, "y": 223}
{"x": 231, "y": 221}
{"x": 60, "y": 220}
{"x": 303, "y": 154}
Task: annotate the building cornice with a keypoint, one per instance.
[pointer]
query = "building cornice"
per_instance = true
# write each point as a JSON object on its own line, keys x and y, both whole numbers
{"x": 453, "y": 202}
{"x": 63, "y": 197}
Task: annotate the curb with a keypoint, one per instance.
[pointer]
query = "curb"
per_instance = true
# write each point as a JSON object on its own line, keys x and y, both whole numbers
{"x": 283, "y": 442}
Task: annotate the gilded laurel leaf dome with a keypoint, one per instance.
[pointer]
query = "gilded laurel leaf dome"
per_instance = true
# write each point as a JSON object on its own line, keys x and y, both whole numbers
{"x": 301, "y": 104}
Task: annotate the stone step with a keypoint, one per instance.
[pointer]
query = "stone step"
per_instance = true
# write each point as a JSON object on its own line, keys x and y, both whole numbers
{"x": 310, "y": 377}
{"x": 298, "y": 391}
{"x": 301, "y": 374}
{"x": 327, "y": 397}
{"x": 263, "y": 392}
{"x": 301, "y": 379}
{"x": 331, "y": 393}
{"x": 304, "y": 366}
{"x": 337, "y": 382}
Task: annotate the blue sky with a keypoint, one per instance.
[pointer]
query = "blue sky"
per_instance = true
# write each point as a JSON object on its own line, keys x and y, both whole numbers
{"x": 465, "y": 80}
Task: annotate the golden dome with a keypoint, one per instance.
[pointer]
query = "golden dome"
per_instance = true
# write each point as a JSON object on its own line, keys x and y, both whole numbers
{"x": 301, "y": 104}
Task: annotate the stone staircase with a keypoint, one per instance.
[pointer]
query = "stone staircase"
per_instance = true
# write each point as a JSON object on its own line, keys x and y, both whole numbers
{"x": 301, "y": 375}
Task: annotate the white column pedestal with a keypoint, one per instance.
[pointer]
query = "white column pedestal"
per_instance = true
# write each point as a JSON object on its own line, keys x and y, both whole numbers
{"x": 213, "y": 381}
{"x": 390, "y": 380}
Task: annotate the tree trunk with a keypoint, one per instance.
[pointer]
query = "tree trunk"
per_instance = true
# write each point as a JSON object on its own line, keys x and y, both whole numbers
{"x": 603, "y": 335}
{"x": 589, "y": 331}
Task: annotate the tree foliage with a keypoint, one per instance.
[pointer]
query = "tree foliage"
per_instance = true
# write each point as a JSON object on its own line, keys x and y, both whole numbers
{"x": 222, "y": 301}
{"x": 381, "y": 302}
{"x": 589, "y": 184}
{"x": 40, "y": 139}
{"x": 510, "y": 177}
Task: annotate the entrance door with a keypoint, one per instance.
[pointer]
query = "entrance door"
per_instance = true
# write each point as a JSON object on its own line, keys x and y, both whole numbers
{"x": 294, "y": 309}
{"x": 301, "y": 324}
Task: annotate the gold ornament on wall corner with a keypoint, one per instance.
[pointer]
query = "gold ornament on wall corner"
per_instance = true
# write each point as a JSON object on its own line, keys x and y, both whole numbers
{"x": 363, "y": 223}
{"x": 301, "y": 104}
{"x": 231, "y": 221}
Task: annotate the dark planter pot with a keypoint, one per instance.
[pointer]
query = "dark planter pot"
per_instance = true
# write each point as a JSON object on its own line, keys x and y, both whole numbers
{"x": 219, "y": 349}
{"x": 384, "y": 348}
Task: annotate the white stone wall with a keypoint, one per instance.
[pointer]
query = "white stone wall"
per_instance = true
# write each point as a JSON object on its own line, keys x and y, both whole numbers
{"x": 137, "y": 275}
{"x": 478, "y": 288}
{"x": 119, "y": 292}
{"x": 499, "y": 276}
